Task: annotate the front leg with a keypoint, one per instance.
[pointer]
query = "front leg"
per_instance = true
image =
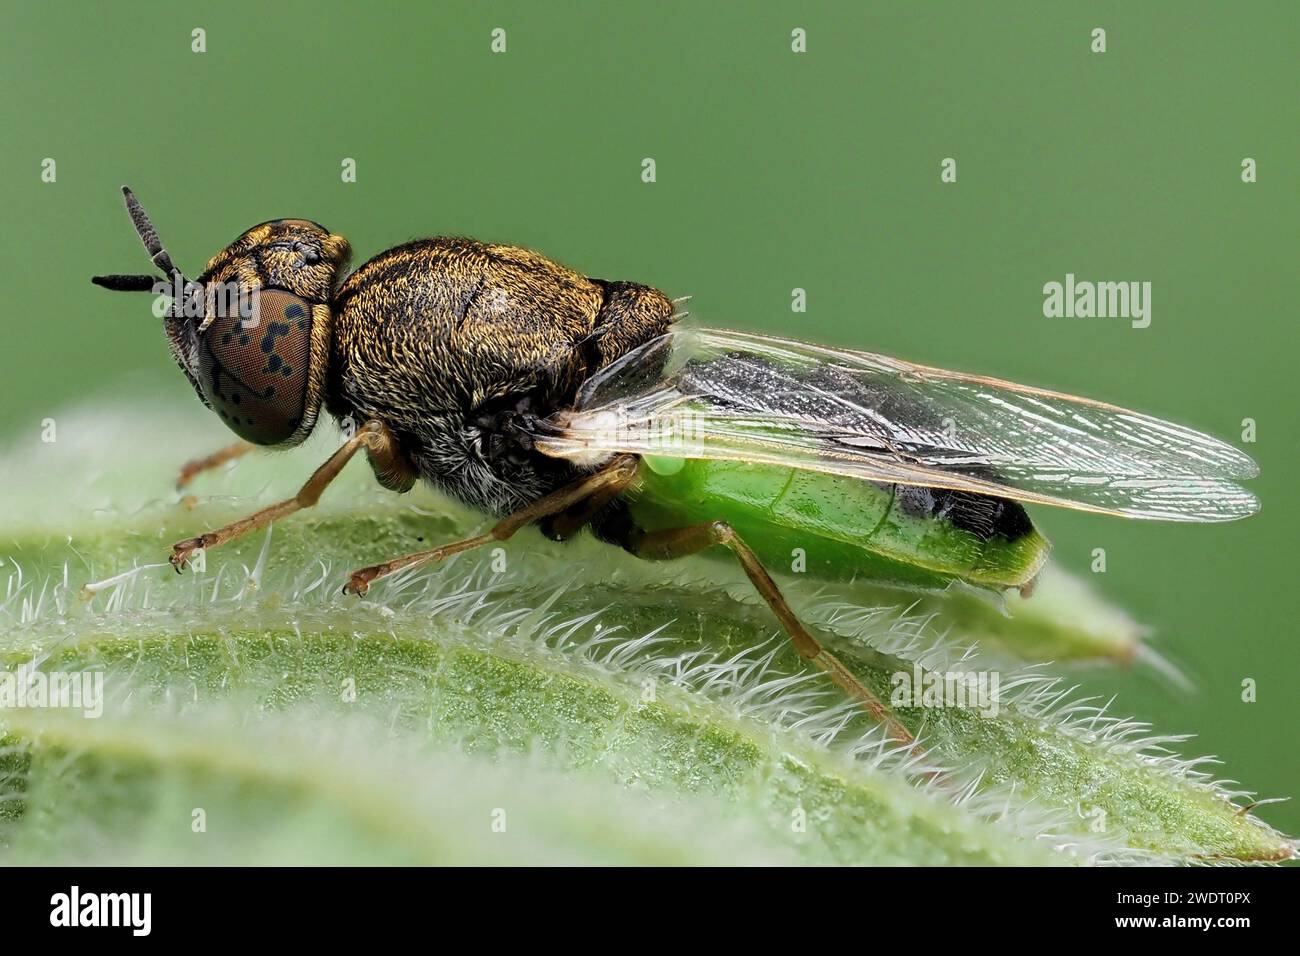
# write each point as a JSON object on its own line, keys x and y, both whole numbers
{"x": 196, "y": 466}
{"x": 385, "y": 456}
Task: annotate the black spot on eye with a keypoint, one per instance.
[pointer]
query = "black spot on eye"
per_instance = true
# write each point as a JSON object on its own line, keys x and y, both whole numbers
{"x": 235, "y": 399}
{"x": 293, "y": 312}
{"x": 244, "y": 340}
{"x": 273, "y": 331}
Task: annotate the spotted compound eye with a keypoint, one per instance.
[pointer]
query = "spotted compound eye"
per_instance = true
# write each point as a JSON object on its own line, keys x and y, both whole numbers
{"x": 255, "y": 375}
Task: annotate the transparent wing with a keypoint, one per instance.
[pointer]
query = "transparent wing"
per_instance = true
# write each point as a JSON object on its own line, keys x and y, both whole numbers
{"x": 701, "y": 393}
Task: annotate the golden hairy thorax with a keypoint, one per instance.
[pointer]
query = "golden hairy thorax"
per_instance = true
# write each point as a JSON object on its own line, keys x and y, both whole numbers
{"x": 456, "y": 320}
{"x": 431, "y": 335}
{"x": 449, "y": 323}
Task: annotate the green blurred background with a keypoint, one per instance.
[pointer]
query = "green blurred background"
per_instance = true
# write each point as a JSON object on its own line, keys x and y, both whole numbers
{"x": 776, "y": 170}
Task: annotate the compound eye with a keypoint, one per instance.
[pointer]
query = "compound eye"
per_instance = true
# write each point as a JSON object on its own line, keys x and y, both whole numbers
{"x": 254, "y": 371}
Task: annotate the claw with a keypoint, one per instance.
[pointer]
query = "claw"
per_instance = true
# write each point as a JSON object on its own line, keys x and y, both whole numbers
{"x": 359, "y": 583}
{"x": 182, "y": 551}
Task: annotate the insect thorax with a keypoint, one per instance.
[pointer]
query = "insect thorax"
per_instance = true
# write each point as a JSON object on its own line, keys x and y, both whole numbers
{"x": 446, "y": 339}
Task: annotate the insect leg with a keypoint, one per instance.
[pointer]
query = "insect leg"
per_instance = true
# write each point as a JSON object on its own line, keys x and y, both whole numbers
{"x": 680, "y": 542}
{"x": 374, "y": 436}
{"x": 565, "y": 524}
{"x": 616, "y": 475}
{"x": 195, "y": 466}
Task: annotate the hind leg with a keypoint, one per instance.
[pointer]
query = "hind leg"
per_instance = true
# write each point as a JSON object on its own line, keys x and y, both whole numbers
{"x": 680, "y": 542}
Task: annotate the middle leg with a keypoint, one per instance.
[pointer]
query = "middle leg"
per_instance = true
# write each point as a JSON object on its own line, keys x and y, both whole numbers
{"x": 616, "y": 475}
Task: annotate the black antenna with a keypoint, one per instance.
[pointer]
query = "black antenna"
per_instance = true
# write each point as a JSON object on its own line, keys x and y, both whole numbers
{"x": 149, "y": 235}
{"x": 120, "y": 283}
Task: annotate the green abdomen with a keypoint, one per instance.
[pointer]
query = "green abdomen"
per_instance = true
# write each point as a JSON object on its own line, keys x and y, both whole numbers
{"x": 841, "y": 527}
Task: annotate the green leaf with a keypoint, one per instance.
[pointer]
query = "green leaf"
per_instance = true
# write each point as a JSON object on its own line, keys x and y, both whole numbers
{"x": 607, "y": 710}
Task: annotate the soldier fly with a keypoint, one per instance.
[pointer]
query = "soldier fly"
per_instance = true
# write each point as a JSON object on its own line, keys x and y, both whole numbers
{"x": 543, "y": 397}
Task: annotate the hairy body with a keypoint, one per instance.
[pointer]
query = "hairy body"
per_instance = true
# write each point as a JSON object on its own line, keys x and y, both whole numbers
{"x": 441, "y": 337}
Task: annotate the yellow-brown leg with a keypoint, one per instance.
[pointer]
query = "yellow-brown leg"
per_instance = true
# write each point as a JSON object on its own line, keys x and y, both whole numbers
{"x": 196, "y": 466}
{"x": 374, "y": 436}
{"x": 616, "y": 475}
{"x": 565, "y": 524}
{"x": 680, "y": 542}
